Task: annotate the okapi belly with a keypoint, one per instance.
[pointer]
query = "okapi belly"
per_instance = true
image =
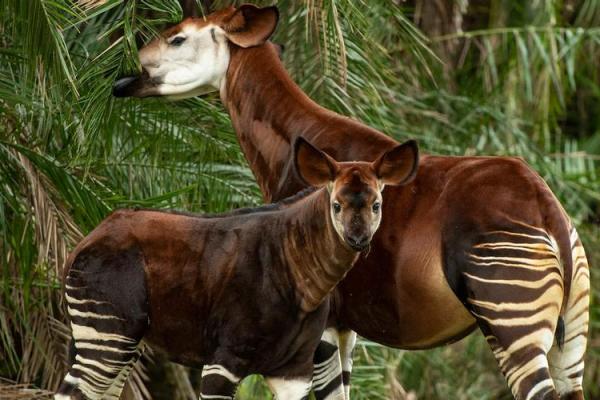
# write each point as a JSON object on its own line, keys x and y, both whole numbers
{"x": 417, "y": 302}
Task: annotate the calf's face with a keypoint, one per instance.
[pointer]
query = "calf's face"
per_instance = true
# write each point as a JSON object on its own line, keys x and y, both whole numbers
{"x": 355, "y": 187}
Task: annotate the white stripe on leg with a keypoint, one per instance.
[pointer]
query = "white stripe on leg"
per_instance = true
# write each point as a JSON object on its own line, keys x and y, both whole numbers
{"x": 289, "y": 389}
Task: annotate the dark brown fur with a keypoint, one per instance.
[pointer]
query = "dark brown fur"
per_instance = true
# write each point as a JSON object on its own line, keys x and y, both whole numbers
{"x": 224, "y": 288}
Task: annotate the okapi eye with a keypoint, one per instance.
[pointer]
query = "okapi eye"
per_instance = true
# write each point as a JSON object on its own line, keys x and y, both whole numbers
{"x": 376, "y": 207}
{"x": 177, "y": 41}
{"x": 337, "y": 208}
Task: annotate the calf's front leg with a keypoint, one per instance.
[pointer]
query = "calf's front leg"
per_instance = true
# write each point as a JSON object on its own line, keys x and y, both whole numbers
{"x": 290, "y": 388}
{"x": 218, "y": 383}
{"x": 347, "y": 343}
{"x": 327, "y": 375}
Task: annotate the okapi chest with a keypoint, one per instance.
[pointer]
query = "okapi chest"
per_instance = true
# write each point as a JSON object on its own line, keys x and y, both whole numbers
{"x": 237, "y": 294}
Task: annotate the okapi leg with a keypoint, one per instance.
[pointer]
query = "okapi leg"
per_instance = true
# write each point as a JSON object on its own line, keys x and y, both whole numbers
{"x": 514, "y": 288}
{"x": 107, "y": 306}
{"x": 289, "y": 389}
{"x": 218, "y": 383}
{"x": 327, "y": 375}
{"x": 347, "y": 343}
{"x": 566, "y": 361}
{"x": 115, "y": 390}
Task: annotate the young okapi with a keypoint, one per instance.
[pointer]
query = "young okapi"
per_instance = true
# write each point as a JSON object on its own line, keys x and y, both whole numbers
{"x": 238, "y": 293}
{"x": 482, "y": 240}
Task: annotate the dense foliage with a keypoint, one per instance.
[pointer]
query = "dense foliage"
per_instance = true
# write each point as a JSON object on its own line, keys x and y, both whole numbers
{"x": 464, "y": 77}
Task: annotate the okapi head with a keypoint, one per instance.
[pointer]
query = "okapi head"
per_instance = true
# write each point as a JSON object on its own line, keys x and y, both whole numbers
{"x": 191, "y": 58}
{"x": 355, "y": 186}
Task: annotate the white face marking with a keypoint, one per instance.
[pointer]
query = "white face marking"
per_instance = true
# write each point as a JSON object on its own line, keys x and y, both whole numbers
{"x": 189, "y": 63}
{"x": 337, "y": 218}
{"x": 376, "y": 215}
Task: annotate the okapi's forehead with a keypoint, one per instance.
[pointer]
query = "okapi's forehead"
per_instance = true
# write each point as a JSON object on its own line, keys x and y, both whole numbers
{"x": 217, "y": 18}
{"x": 356, "y": 174}
{"x": 356, "y": 182}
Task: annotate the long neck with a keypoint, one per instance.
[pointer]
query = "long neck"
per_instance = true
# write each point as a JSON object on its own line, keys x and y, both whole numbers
{"x": 268, "y": 111}
{"x": 317, "y": 257}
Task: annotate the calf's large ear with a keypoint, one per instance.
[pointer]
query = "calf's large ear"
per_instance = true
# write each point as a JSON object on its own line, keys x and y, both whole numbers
{"x": 398, "y": 166}
{"x": 251, "y": 26}
{"x": 313, "y": 166}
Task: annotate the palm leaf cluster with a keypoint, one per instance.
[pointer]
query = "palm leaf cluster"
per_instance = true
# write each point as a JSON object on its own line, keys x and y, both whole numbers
{"x": 465, "y": 77}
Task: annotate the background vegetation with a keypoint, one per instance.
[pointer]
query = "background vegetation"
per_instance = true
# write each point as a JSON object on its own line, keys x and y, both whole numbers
{"x": 464, "y": 77}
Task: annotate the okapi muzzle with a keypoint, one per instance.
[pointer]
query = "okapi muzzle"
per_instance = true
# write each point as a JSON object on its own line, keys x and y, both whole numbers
{"x": 136, "y": 86}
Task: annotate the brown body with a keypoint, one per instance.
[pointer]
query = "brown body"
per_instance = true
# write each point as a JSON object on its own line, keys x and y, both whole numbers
{"x": 227, "y": 284}
{"x": 240, "y": 293}
{"x": 472, "y": 240}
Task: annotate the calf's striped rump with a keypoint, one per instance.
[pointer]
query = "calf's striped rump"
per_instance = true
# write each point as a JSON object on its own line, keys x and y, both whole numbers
{"x": 515, "y": 285}
{"x": 106, "y": 300}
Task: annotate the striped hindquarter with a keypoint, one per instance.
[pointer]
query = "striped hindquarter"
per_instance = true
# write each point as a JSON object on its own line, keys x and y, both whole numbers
{"x": 107, "y": 326}
{"x": 567, "y": 363}
{"x": 516, "y": 285}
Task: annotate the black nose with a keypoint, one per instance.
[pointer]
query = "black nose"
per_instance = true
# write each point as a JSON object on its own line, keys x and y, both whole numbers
{"x": 123, "y": 87}
{"x": 358, "y": 242}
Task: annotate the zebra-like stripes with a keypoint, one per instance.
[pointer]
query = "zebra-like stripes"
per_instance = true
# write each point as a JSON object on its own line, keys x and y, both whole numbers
{"x": 327, "y": 375}
{"x": 566, "y": 364}
{"x": 218, "y": 383}
{"x": 103, "y": 358}
{"x": 115, "y": 390}
{"x": 515, "y": 288}
{"x": 333, "y": 364}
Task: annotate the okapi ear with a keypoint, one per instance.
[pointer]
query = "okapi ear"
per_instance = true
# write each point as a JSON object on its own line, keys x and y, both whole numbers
{"x": 398, "y": 165}
{"x": 251, "y": 26}
{"x": 313, "y": 166}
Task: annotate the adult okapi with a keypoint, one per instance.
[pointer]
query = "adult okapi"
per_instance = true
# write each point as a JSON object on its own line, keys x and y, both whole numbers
{"x": 472, "y": 241}
{"x": 238, "y": 293}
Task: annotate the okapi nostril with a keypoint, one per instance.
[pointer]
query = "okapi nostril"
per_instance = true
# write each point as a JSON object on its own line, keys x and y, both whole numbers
{"x": 357, "y": 242}
{"x": 122, "y": 86}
